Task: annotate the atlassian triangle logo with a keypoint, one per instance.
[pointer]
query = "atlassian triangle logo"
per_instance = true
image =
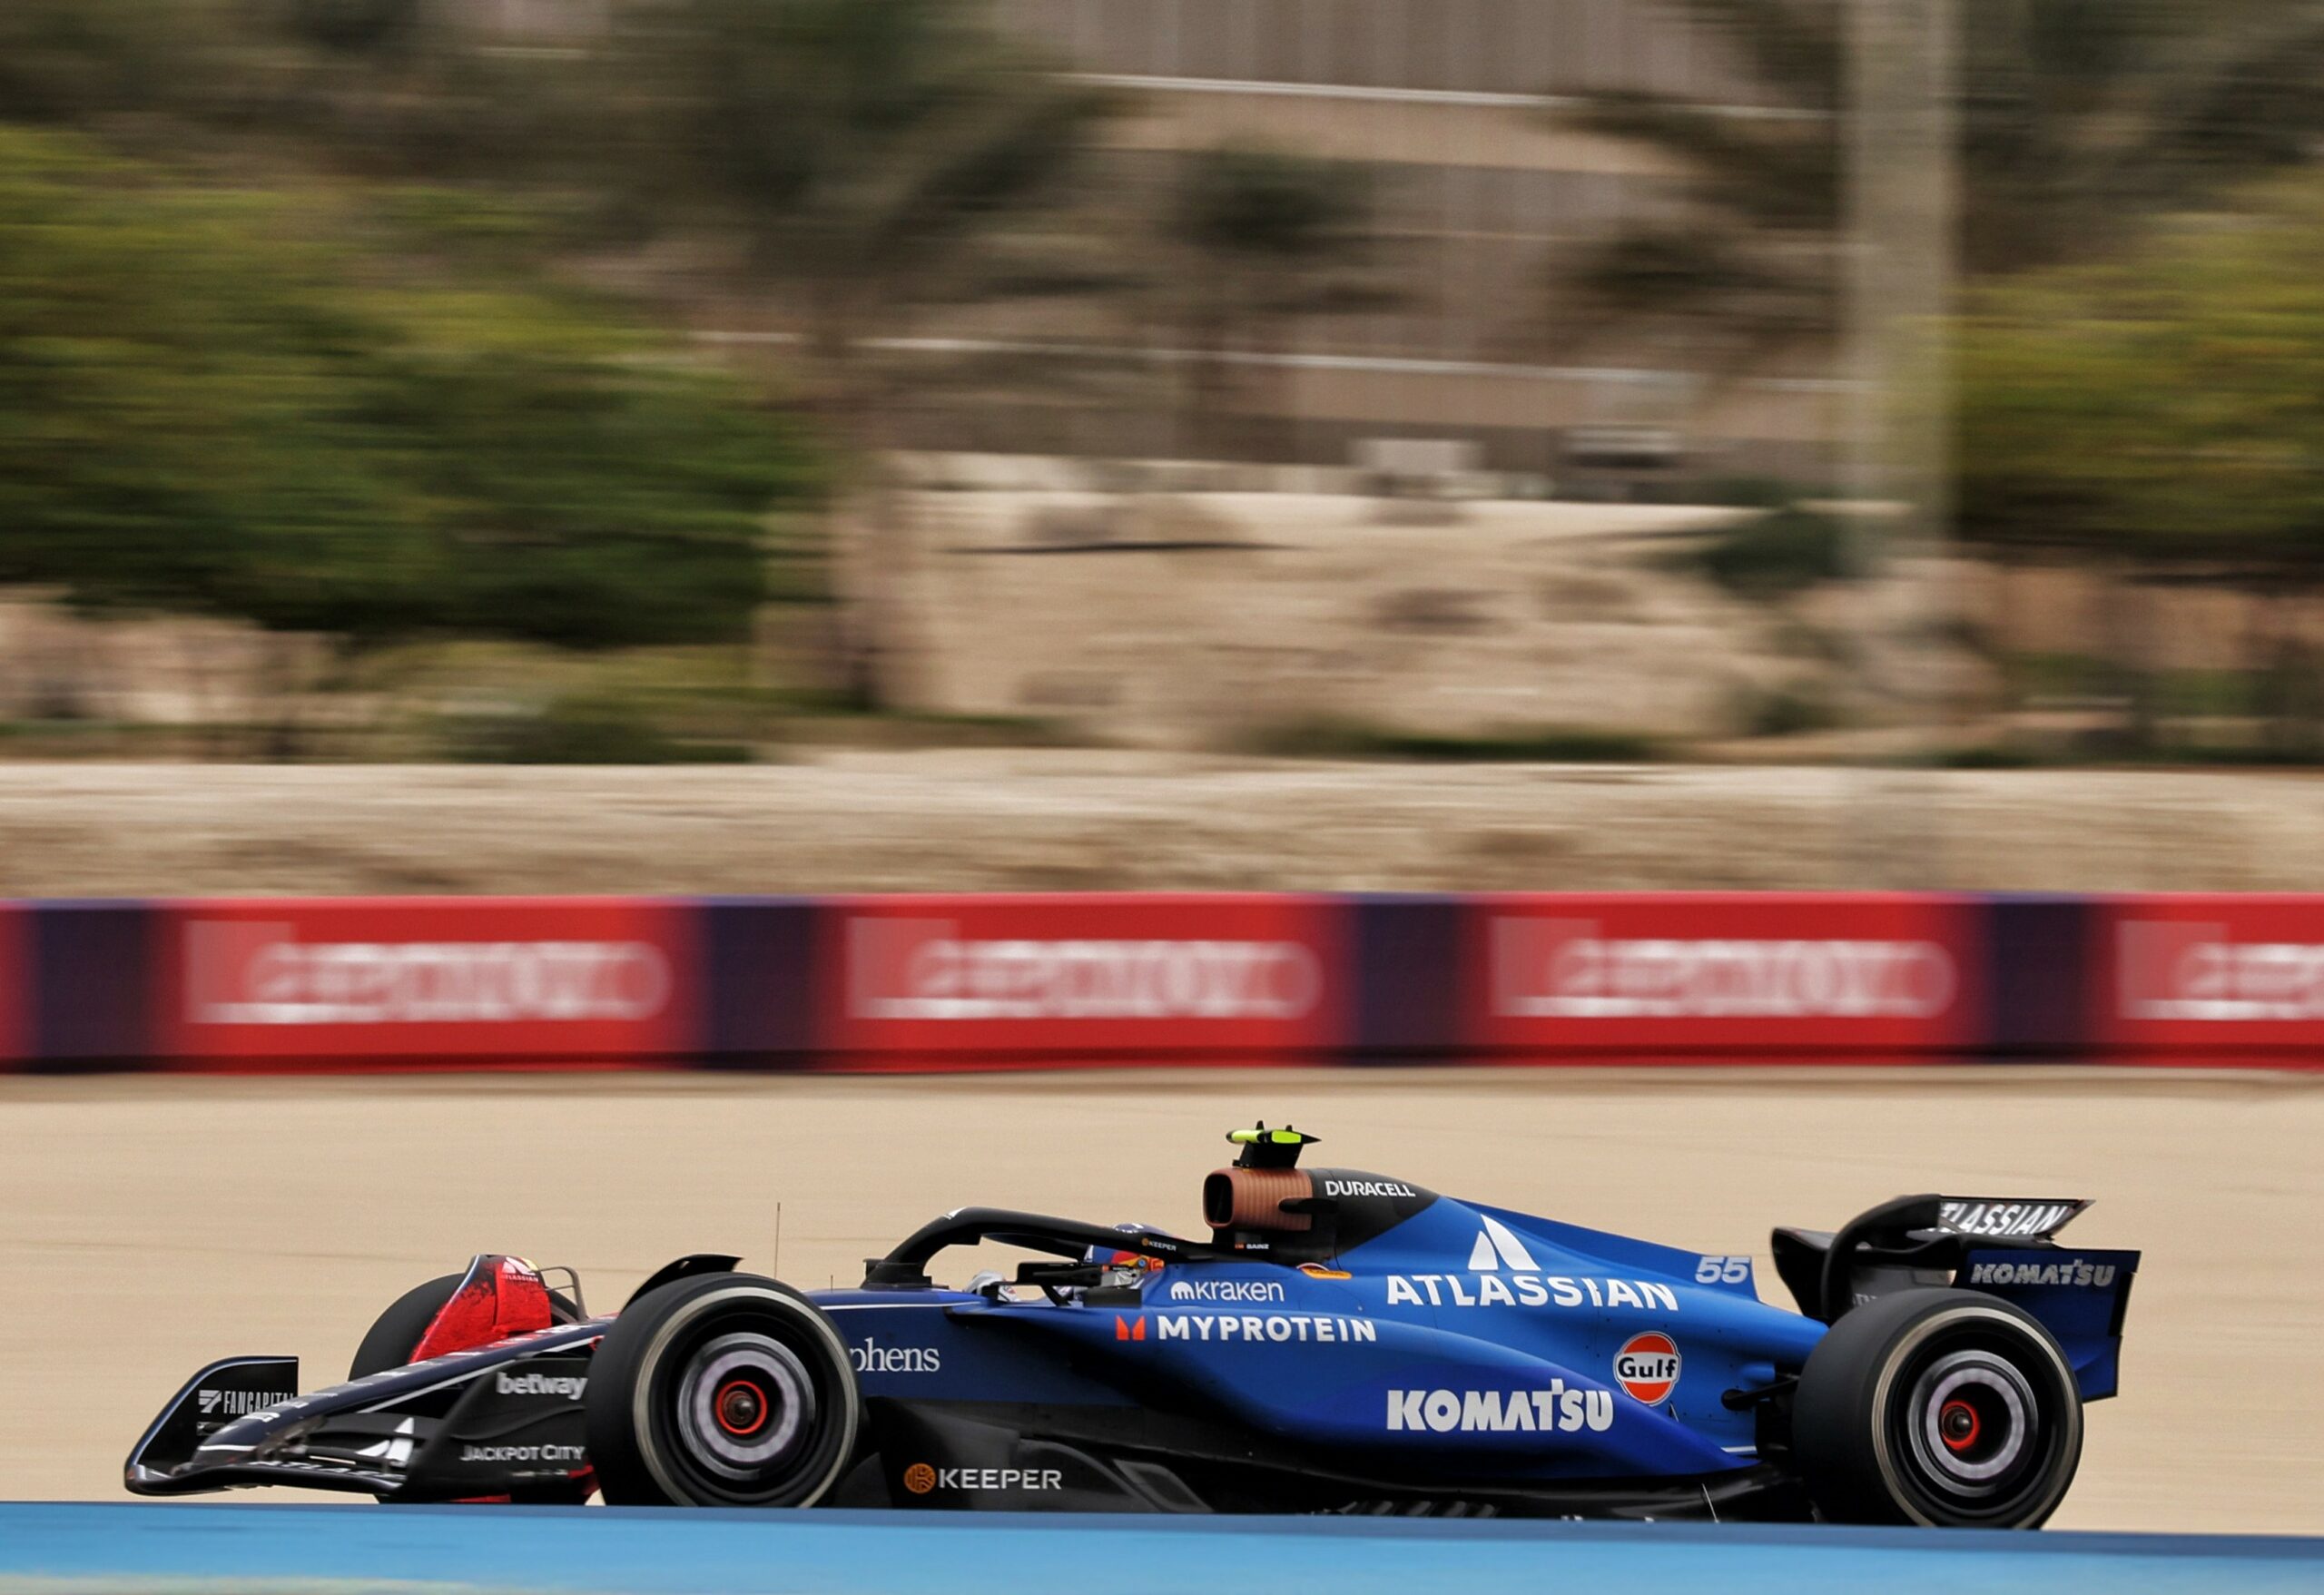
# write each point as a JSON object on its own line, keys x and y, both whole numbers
{"x": 1497, "y": 1245}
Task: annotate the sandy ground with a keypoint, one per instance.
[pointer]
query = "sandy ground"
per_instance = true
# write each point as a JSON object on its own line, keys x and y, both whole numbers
{"x": 991, "y": 819}
{"x": 148, "y": 1226}
{"x": 1294, "y": 605}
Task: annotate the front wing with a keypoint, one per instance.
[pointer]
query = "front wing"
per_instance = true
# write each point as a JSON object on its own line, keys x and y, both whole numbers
{"x": 464, "y": 1424}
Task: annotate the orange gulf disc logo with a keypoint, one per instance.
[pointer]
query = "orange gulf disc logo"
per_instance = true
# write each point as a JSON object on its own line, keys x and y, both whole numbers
{"x": 1647, "y": 1367}
{"x": 920, "y": 1478}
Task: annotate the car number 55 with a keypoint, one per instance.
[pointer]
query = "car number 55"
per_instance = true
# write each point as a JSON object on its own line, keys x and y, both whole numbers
{"x": 1723, "y": 1271}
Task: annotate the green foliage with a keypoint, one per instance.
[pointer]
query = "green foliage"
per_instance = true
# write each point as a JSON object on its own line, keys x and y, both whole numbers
{"x": 205, "y": 406}
{"x": 387, "y": 88}
{"x": 73, "y": 60}
{"x": 356, "y": 26}
{"x": 864, "y": 151}
{"x": 1261, "y": 204}
{"x": 2167, "y": 409}
{"x": 1782, "y": 551}
{"x": 1253, "y": 239}
{"x": 1330, "y": 737}
{"x": 840, "y": 163}
{"x": 2079, "y": 120}
{"x": 381, "y": 87}
{"x": 1987, "y": 756}
{"x": 1748, "y": 492}
{"x": 581, "y": 729}
{"x": 1788, "y": 711}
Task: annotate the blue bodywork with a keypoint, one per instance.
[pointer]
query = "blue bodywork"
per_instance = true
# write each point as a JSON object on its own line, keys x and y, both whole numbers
{"x": 1466, "y": 1343}
{"x": 1466, "y": 1339}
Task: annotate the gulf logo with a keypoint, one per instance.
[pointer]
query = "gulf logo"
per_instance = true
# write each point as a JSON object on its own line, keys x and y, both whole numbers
{"x": 1647, "y": 1367}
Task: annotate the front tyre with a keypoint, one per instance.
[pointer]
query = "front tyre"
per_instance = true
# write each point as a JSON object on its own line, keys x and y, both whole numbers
{"x": 721, "y": 1390}
{"x": 396, "y": 1334}
{"x": 1939, "y": 1407}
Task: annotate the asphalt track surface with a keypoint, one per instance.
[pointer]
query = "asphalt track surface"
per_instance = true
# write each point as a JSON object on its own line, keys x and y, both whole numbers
{"x": 262, "y": 1550}
{"x": 149, "y": 1225}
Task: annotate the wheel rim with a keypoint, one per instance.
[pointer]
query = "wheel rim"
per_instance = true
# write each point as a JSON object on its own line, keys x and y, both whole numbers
{"x": 745, "y": 1405}
{"x": 1973, "y": 1423}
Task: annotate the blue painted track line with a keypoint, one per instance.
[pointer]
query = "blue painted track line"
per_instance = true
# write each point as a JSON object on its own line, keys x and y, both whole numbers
{"x": 606, "y": 1552}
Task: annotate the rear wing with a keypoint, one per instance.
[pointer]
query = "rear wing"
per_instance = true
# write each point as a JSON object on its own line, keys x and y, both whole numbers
{"x": 2004, "y": 1246}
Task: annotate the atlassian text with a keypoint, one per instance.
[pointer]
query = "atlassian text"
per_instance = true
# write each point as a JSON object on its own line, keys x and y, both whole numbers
{"x": 1528, "y": 1290}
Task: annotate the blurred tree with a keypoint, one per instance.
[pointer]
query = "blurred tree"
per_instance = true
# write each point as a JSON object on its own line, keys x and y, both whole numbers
{"x": 1259, "y": 238}
{"x": 355, "y": 25}
{"x": 2079, "y": 119}
{"x": 1257, "y": 207}
{"x": 2166, "y": 415}
{"x": 863, "y": 160}
{"x": 72, "y": 59}
{"x": 206, "y": 407}
{"x": 843, "y": 163}
{"x": 394, "y": 87}
{"x": 869, "y": 157}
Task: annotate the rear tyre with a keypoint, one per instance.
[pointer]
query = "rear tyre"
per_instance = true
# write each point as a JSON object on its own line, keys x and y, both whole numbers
{"x": 1940, "y": 1407}
{"x": 721, "y": 1390}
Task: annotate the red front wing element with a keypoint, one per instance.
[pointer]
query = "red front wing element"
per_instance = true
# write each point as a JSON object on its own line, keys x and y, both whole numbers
{"x": 501, "y": 1296}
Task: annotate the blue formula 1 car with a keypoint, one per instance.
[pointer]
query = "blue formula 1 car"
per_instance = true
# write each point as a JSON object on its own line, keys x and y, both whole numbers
{"x": 1342, "y": 1343}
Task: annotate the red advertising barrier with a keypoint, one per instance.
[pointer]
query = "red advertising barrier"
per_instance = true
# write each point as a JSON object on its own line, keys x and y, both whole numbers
{"x": 1063, "y": 980}
{"x": 16, "y": 985}
{"x": 1740, "y": 974}
{"x": 290, "y": 982}
{"x": 2207, "y": 979}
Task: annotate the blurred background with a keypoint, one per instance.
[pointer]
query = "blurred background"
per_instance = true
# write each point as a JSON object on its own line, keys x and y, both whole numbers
{"x": 961, "y": 394}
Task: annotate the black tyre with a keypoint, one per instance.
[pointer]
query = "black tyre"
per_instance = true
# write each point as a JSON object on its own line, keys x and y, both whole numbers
{"x": 721, "y": 1390}
{"x": 1939, "y": 1407}
{"x": 395, "y": 1335}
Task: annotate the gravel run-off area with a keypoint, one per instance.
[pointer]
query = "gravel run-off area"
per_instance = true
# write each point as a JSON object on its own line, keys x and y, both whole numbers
{"x": 1071, "y": 820}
